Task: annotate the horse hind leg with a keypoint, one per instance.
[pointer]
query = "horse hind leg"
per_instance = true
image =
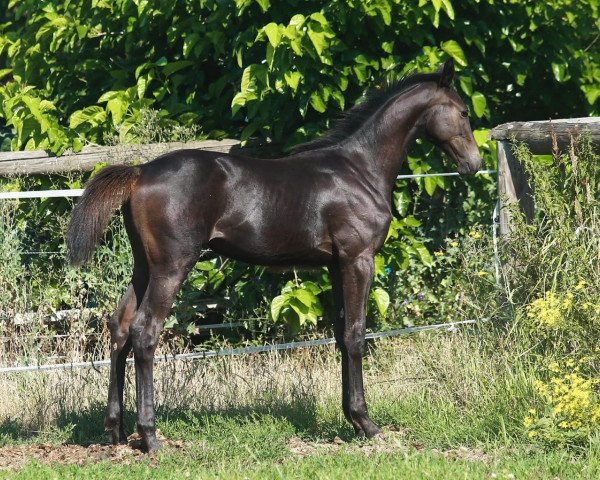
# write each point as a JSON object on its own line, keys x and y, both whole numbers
{"x": 120, "y": 342}
{"x": 165, "y": 281}
{"x": 119, "y": 325}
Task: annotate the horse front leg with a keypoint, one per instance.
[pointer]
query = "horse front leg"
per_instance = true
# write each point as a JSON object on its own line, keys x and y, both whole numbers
{"x": 340, "y": 325}
{"x": 356, "y": 278}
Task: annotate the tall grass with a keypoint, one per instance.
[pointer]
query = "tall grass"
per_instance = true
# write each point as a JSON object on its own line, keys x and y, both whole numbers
{"x": 441, "y": 389}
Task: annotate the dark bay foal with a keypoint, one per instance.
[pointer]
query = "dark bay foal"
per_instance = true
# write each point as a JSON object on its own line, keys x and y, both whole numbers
{"x": 328, "y": 203}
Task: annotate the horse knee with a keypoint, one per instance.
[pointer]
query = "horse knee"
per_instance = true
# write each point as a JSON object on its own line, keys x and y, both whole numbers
{"x": 354, "y": 342}
{"x": 143, "y": 339}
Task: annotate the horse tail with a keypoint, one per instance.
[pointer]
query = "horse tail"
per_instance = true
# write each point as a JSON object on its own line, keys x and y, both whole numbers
{"x": 103, "y": 194}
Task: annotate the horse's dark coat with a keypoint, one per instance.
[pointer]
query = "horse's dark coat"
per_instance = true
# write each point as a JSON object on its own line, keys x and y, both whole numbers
{"x": 329, "y": 203}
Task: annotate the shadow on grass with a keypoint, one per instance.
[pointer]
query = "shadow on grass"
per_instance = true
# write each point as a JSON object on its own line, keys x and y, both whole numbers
{"x": 87, "y": 427}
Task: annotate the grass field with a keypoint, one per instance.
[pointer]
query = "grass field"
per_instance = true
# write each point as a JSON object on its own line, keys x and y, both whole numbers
{"x": 451, "y": 409}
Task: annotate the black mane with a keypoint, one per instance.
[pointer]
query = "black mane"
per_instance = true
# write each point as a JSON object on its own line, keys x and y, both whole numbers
{"x": 351, "y": 120}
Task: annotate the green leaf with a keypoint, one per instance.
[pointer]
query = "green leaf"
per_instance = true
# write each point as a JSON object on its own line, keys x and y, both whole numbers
{"x": 238, "y": 101}
{"x": 481, "y": 136}
{"x": 246, "y": 79}
{"x": 312, "y": 287}
{"x": 82, "y": 31}
{"x": 117, "y": 108}
{"x": 423, "y": 254}
{"x": 479, "y": 104}
{"x": 317, "y": 102}
{"x": 382, "y": 300}
{"x": 189, "y": 42}
{"x": 4, "y": 72}
{"x": 277, "y": 304}
{"x": 306, "y": 297}
{"x": 319, "y": 17}
{"x": 94, "y": 114}
{"x": 402, "y": 201}
{"x": 264, "y": 4}
{"x": 559, "y": 70}
{"x": 171, "y": 322}
{"x": 273, "y": 33}
{"x": 453, "y": 49}
{"x": 466, "y": 84}
{"x": 142, "y": 84}
{"x": 292, "y": 320}
{"x": 430, "y": 184}
{"x": 379, "y": 265}
{"x": 317, "y": 39}
{"x": 173, "y": 67}
{"x": 249, "y": 130}
{"x": 592, "y": 93}
{"x": 448, "y": 8}
{"x": 108, "y": 96}
{"x": 292, "y": 79}
{"x": 411, "y": 221}
{"x": 339, "y": 98}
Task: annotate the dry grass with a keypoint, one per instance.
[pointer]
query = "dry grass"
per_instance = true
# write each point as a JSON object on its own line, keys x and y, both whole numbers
{"x": 430, "y": 369}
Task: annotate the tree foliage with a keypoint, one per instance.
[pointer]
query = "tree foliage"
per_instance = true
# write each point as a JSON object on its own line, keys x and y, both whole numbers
{"x": 73, "y": 69}
{"x": 77, "y": 71}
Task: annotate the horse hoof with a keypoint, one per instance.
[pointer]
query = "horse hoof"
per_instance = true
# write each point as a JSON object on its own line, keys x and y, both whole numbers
{"x": 372, "y": 431}
{"x": 118, "y": 438}
{"x": 152, "y": 445}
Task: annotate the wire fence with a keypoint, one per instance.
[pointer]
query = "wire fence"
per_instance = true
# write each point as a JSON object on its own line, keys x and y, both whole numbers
{"x": 240, "y": 350}
{"x": 77, "y": 192}
{"x": 228, "y": 352}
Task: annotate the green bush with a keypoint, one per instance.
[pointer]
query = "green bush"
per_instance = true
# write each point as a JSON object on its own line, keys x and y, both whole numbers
{"x": 74, "y": 69}
{"x": 74, "y": 72}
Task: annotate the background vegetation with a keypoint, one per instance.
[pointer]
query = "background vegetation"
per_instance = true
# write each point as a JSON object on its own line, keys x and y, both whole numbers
{"x": 93, "y": 72}
{"x": 83, "y": 72}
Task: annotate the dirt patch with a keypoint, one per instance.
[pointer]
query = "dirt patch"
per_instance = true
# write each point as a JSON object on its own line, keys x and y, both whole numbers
{"x": 14, "y": 457}
{"x": 390, "y": 440}
{"x": 464, "y": 453}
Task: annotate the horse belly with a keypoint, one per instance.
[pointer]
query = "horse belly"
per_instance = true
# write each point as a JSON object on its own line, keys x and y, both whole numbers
{"x": 273, "y": 247}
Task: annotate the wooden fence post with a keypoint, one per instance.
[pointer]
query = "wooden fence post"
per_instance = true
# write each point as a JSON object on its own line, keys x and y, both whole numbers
{"x": 512, "y": 182}
{"x": 512, "y": 187}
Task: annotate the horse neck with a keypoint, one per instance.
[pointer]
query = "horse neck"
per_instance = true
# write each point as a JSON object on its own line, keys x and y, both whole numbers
{"x": 382, "y": 144}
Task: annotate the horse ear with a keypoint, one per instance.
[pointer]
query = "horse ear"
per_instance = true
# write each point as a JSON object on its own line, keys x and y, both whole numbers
{"x": 446, "y": 73}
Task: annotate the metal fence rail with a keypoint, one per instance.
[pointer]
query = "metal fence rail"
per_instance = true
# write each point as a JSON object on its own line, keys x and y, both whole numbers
{"x": 77, "y": 192}
{"x": 228, "y": 352}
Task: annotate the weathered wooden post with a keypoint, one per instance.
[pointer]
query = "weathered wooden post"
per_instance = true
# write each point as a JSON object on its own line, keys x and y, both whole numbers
{"x": 513, "y": 186}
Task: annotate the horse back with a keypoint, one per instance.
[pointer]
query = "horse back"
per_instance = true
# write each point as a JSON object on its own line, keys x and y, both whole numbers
{"x": 274, "y": 212}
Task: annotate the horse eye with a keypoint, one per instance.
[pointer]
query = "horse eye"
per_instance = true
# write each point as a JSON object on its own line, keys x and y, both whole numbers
{"x": 464, "y": 114}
